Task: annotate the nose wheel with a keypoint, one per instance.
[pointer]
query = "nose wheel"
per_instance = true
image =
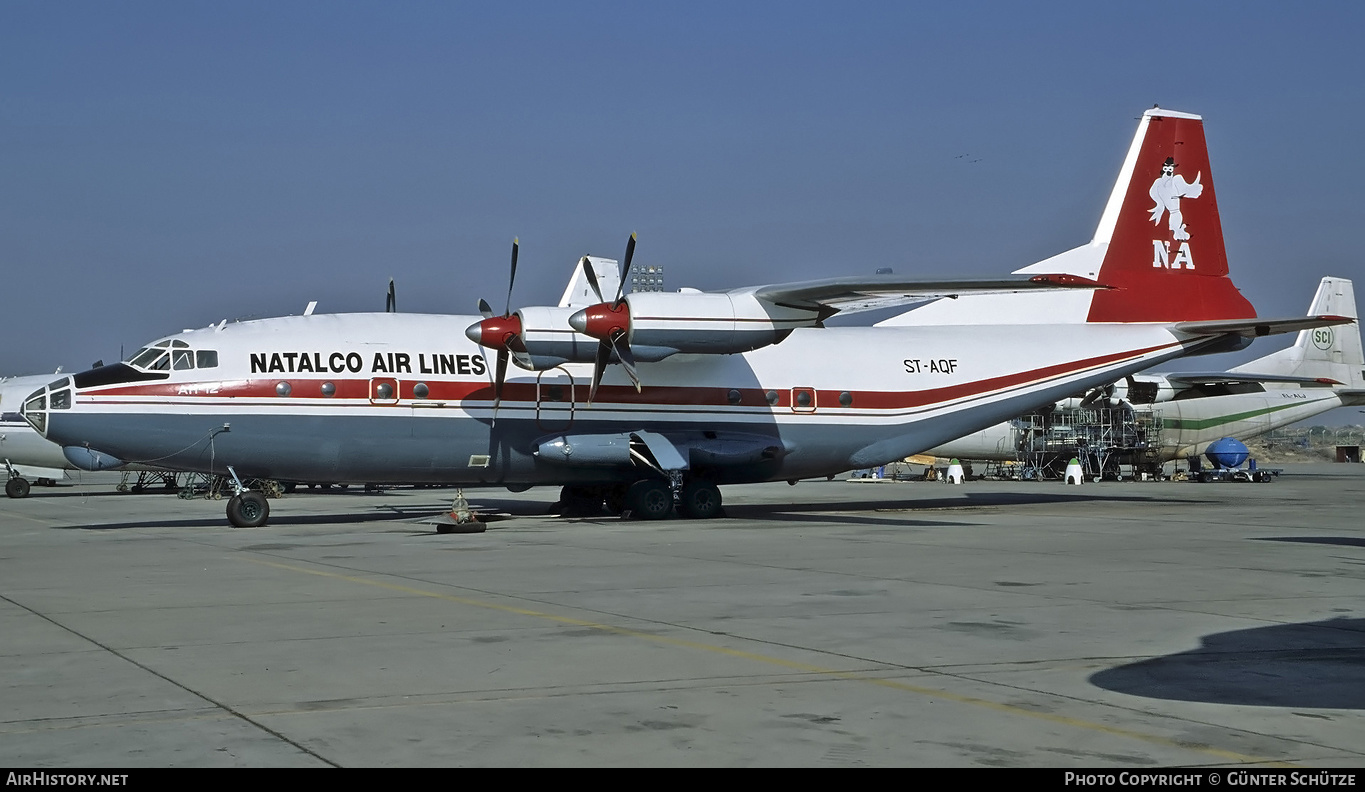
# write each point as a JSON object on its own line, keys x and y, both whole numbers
{"x": 250, "y": 509}
{"x": 17, "y": 487}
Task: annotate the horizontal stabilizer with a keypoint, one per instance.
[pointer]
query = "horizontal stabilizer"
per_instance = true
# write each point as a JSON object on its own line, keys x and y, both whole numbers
{"x": 1254, "y": 328}
{"x": 1230, "y": 377}
{"x": 855, "y": 294}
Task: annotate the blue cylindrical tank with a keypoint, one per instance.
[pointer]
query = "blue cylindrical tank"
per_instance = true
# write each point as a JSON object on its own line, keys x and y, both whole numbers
{"x": 1227, "y": 453}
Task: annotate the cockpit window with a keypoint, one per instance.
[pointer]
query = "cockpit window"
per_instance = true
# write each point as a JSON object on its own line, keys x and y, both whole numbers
{"x": 178, "y": 344}
{"x": 61, "y": 399}
{"x": 182, "y": 359}
{"x": 147, "y": 357}
{"x": 206, "y": 358}
{"x": 162, "y": 363}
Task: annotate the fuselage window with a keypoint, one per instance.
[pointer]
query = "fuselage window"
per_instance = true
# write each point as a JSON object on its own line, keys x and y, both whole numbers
{"x": 182, "y": 359}
{"x": 206, "y": 358}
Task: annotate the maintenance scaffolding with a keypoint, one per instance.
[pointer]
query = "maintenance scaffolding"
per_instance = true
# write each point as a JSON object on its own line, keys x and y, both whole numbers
{"x": 1108, "y": 441}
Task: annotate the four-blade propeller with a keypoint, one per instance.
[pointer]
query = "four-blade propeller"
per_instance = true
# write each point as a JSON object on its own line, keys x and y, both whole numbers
{"x": 502, "y": 333}
{"x": 609, "y": 323}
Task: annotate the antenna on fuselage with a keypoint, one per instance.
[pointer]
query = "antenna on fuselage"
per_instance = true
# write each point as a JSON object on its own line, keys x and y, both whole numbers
{"x": 391, "y": 304}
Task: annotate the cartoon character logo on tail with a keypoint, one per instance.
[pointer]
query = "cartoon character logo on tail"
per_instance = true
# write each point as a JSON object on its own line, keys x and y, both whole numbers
{"x": 1167, "y": 191}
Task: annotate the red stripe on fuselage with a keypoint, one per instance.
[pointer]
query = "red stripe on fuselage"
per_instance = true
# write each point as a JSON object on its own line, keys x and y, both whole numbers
{"x": 352, "y": 390}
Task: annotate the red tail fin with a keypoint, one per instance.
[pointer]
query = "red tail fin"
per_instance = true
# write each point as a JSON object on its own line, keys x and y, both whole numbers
{"x": 1165, "y": 255}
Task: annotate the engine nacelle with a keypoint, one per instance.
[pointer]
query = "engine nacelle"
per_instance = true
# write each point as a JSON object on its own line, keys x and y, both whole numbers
{"x": 659, "y": 324}
{"x": 1150, "y": 389}
{"x": 548, "y": 341}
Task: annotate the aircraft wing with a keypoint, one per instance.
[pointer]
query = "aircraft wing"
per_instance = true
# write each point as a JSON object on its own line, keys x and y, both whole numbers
{"x": 1229, "y": 377}
{"x": 1254, "y": 328}
{"x": 866, "y": 293}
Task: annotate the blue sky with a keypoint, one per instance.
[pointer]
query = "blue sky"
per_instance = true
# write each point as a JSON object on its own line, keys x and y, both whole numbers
{"x": 166, "y": 165}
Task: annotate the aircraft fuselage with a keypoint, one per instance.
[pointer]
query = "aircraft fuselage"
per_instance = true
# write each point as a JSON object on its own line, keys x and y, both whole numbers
{"x": 406, "y": 398}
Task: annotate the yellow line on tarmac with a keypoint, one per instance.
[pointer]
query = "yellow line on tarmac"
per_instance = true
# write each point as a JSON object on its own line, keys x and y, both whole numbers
{"x": 789, "y": 664}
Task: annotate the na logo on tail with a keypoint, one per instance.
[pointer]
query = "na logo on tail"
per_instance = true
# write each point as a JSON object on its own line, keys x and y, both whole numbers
{"x": 1167, "y": 191}
{"x": 1171, "y": 272}
{"x": 1174, "y": 272}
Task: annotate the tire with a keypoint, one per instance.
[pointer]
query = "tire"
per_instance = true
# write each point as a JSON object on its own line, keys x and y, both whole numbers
{"x": 248, "y": 510}
{"x": 580, "y": 501}
{"x": 615, "y": 498}
{"x": 17, "y": 487}
{"x": 649, "y": 499}
{"x": 699, "y": 500}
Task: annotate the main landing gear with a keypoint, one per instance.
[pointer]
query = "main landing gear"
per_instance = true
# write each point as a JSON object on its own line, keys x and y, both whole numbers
{"x": 646, "y": 499}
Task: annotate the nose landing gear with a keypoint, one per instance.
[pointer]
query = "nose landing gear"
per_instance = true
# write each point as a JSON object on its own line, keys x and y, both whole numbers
{"x": 17, "y": 487}
{"x": 246, "y": 509}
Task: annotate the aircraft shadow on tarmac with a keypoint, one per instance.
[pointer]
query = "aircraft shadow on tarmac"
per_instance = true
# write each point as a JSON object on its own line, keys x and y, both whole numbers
{"x": 1344, "y": 541}
{"x": 967, "y": 501}
{"x": 216, "y": 520}
{"x": 889, "y": 512}
{"x": 1317, "y": 664}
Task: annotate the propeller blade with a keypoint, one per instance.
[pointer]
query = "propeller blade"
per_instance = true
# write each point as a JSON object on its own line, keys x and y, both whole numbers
{"x": 485, "y": 308}
{"x": 591, "y": 275}
{"x": 499, "y": 377}
{"x": 391, "y": 305}
{"x": 516, "y": 244}
{"x": 599, "y": 368}
{"x": 622, "y": 347}
{"x": 625, "y": 269}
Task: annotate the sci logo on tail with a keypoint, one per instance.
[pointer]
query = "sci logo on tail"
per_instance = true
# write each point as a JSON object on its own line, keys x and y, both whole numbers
{"x": 1167, "y": 191}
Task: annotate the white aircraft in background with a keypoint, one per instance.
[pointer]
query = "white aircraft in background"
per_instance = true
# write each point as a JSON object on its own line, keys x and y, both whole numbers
{"x": 27, "y": 457}
{"x": 648, "y": 398}
{"x": 1323, "y": 370}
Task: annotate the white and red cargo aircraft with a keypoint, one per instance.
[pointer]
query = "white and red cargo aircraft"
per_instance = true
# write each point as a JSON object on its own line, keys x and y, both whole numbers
{"x": 650, "y": 398}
